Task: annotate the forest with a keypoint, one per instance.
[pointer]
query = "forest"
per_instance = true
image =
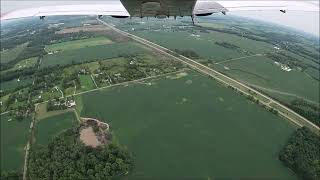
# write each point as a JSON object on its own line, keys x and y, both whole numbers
{"x": 301, "y": 154}
{"x": 66, "y": 157}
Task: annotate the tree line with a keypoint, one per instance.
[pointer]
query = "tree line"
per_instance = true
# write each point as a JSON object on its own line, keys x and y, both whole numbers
{"x": 66, "y": 157}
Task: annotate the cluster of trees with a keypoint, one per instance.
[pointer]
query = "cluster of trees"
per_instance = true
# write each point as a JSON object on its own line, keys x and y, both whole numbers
{"x": 307, "y": 110}
{"x": 227, "y": 45}
{"x": 301, "y": 154}
{"x": 66, "y": 157}
{"x": 187, "y": 53}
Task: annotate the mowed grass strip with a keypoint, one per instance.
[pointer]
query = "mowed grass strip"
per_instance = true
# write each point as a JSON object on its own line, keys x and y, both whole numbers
{"x": 49, "y": 127}
{"x": 11, "y": 54}
{"x": 192, "y": 127}
{"x": 14, "y": 137}
{"x": 77, "y": 44}
{"x": 93, "y": 53}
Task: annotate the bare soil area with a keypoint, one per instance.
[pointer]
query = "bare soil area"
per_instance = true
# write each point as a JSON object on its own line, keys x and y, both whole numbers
{"x": 89, "y": 138}
{"x": 91, "y": 28}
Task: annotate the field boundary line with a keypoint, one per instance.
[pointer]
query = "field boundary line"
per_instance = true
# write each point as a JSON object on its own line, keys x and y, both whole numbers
{"x": 94, "y": 81}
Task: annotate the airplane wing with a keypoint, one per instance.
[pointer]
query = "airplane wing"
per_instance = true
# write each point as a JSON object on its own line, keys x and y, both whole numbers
{"x": 108, "y": 8}
{"x": 156, "y": 8}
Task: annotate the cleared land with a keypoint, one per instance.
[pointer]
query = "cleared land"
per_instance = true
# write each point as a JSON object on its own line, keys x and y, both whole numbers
{"x": 86, "y": 82}
{"x": 11, "y": 54}
{"x": 14, "y": 137}
{"x": 13, "y": 84}
{"x": 77, "y": 44}
{"x": 192, "y": 125}
{"x": 50, "y": 127}
{"x": 91, "y": 28}
{"x": 93, "y": 53}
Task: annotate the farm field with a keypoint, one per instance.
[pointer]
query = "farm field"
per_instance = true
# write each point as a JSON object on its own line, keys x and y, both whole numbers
{"x": 190, "y": 126}
{"x": 93, "y": 53}
{"x": 14, "y": 137}
{"x": 11, "y": 54}
{"x": 77, "y": 44}
{"x": 205, "y": 45}
{"x": 264, "y": 72}
{"x": 49, "y": 127}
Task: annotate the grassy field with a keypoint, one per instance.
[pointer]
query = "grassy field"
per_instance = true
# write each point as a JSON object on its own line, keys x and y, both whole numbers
{"x": 86, "y": 82}
{"x": 192, "y": 127}
{"x": 11, "y": 54}
{"x": 263, "y": 72}
{"x": 49, "y": 127}
{"x": 78, "y": 44}
{"x": 14, "y": 137}
{"x": 205, "y": 44}
{"x": 92, "y": 53}
{"x": 11, "y": 85}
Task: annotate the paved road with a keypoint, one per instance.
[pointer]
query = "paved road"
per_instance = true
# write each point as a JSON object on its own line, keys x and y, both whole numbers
{"x": 269, "y": 102}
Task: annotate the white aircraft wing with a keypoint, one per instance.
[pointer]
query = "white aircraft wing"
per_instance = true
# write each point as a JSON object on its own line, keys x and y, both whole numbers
{"x": 207, "y": 6}
{"x": 108, "y": 8}
{"x": 154, "y": 8}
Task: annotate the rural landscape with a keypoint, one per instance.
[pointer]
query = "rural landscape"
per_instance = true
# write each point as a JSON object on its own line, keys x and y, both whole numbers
{"x": 100, "y": 98}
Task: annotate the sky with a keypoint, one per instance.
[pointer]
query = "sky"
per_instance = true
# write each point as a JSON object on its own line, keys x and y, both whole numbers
{"x": 303, "y": 21}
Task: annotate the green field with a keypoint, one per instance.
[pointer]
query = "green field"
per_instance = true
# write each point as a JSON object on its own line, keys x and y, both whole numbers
{"x": 14, "y": 137}
{"x": 49, "y": 127}
{"x": 86, "y": 82}
{"x": 205, "y": 44}
{"x": 192, "y": 127}
{"x": 92, "y": 54}
{"x": 77, "y": 44}
{"x": 263, "y": 72}
{"x": 13, "y": 84}
{"x": 11, "y": 54}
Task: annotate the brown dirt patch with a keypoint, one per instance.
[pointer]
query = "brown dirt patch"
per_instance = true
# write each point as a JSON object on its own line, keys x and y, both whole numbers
{"x": 88, "y": 137}
{"x": 91, "y": 28}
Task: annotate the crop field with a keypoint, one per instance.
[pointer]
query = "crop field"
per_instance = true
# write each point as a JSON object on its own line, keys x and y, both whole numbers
{"x": 14, "y": 137}
{"x": 77, "y": 44}
{"x": 94, "y": 53}
{"x": 49, "y": 127}
{"x": 12, "y": 84}
{"x": 86, "y": 82}
{"x": 205, "y": 45}
{"x": 263, "y": 72}
{"x": 11, "y": 54}
{"x": 189, "y": 126}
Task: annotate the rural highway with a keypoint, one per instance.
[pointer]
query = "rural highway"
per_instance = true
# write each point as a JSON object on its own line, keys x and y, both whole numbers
{"x": 267, "y": 101}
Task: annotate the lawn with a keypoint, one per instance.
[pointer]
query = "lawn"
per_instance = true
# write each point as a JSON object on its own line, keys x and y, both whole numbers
{"x": 77, "y": 44}
{"x": 192, "y": 127}
{"x": 50, "y": 127}
{"x": 93, "y": 53}
{"x": 14, "y": 137}
{"x": 11, "y": 54}
{"x": 86, "y": 82}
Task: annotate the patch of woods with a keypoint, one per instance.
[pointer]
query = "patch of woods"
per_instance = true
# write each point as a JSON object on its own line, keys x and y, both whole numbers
{"x": 66, "y": 157}
{"x": 187, "y": 53}
{"x": 302, "y": 154}
{"x": 306, "y": 109}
